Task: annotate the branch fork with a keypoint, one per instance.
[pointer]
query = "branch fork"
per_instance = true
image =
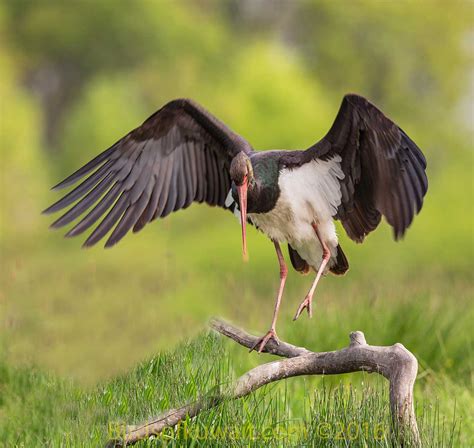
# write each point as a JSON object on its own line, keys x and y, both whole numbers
{"x": 394, "y": 362}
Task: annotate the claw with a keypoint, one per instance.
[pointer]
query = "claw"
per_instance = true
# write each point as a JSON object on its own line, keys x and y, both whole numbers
{"x": 306, "y": 303}
{"x": 271, "y": 334}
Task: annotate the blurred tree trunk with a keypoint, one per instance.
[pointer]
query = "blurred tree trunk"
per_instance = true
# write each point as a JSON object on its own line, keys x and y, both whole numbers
{"x": 57, "y": 87}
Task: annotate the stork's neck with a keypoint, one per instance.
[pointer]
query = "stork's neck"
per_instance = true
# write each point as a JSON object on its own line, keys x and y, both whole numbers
{"x": 264, "y": 192}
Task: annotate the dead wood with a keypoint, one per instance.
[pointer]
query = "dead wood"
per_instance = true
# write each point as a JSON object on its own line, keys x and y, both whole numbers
{"x": 394, "y": 362}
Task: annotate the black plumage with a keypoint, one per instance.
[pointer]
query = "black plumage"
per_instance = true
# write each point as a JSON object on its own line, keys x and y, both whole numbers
{"x": 384, "y": 169}
{"x": 179, "y": 155}
{"x": 182, "y": 154}
{"x": 364, "y": 168}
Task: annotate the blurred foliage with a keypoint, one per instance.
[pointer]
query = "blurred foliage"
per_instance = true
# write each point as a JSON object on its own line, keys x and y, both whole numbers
{"x": 410, "y": 56}
{"x": 22, "y": 172}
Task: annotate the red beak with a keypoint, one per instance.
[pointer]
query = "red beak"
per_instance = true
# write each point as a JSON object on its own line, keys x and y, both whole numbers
{"x": 242, "y": 191}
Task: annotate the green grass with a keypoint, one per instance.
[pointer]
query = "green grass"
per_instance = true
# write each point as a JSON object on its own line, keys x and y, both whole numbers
{"x": 44, "y": 410}
{"x": 430, "y": 312}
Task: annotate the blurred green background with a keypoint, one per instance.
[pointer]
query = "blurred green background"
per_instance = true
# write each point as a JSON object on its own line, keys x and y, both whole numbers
{"x": 76, "y": 76}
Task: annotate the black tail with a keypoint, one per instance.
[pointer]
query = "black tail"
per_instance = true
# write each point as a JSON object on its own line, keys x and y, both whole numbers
{"x": 342, "y": 265}
{"x": 298, "y": 263}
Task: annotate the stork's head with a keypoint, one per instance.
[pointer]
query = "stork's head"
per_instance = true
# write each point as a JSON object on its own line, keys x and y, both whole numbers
{"x": 241, "y": 173}
{"x": 241, "y": 169}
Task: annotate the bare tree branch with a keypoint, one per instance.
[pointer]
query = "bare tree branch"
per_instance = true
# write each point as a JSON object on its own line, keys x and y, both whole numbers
{"x": 247, "y": 340}
{"x": 395, "y": 363}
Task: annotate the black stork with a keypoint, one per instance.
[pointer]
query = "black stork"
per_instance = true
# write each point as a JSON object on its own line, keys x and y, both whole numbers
{"x": 365, "y": 167}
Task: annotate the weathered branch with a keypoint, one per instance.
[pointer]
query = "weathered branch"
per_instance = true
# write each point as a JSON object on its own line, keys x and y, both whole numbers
{"x": 395, "y": 363}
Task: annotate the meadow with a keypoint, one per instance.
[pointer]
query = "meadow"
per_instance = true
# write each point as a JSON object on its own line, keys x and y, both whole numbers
{"x": 128, "y": 307}
{"x": 95, "y": 339}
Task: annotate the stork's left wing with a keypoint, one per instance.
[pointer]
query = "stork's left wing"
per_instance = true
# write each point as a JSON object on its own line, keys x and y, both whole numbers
{"x": 384, "y": 170}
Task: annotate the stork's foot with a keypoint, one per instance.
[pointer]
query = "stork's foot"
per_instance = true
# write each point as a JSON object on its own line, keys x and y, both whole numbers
{"x": 262, "y": 342}
{"x": 306, "y": 303}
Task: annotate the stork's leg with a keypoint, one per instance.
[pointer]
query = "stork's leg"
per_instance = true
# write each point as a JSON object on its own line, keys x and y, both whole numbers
{"x": 307, "y": 302}
{"x": 271, "y": 334}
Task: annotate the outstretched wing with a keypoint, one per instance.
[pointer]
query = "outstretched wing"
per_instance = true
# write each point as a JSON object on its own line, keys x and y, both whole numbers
{"x": 178, "y": 155}
{"x": 384, "y": 170}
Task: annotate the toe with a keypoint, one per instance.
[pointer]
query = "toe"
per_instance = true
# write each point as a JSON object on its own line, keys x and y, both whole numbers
{"x": 262, "y": 345}
{"x": 254, "y": 346}
{"x": 299, "y": 311}
{"x": 263, "y": 341}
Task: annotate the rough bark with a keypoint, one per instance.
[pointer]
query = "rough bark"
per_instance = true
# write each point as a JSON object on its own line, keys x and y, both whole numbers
{"x": 395, "y": 363}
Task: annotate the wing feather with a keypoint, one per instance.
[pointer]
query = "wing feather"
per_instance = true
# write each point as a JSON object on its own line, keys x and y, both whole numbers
{"x": 181, "y": 181}
{"x": 189, "y": 192}
{"x": 128, "y": 220}
{"x": 384, "y": 170}
{"x": 173, "y": 187}
{"x": 92, "y": 217}
{"x": 164, "y": 187}
{"x": 147, "y": 214}
{"x": 179, "y": 155}
{"x": 215, "y": 179}
{"x": 87, "y": 168}
{"x": 85, "y": 203}
{"x": 193, "y": 167}
{"x": 80, "y": 190}
{"x": 202, "y": 191}
{"x": 107, "y": 223}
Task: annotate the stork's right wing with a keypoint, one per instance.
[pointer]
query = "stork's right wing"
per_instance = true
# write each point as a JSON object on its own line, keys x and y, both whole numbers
{"x": 179, "y": 155}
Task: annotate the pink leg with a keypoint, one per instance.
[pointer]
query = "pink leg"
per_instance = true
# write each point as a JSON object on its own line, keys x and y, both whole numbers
{"x": 307, "y": 302}
{"x": 271, "y": 334}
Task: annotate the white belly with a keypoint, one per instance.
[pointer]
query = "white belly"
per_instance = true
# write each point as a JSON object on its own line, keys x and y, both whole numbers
{"x": 308, "y": 194}
{"x": 284, "y": 226}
